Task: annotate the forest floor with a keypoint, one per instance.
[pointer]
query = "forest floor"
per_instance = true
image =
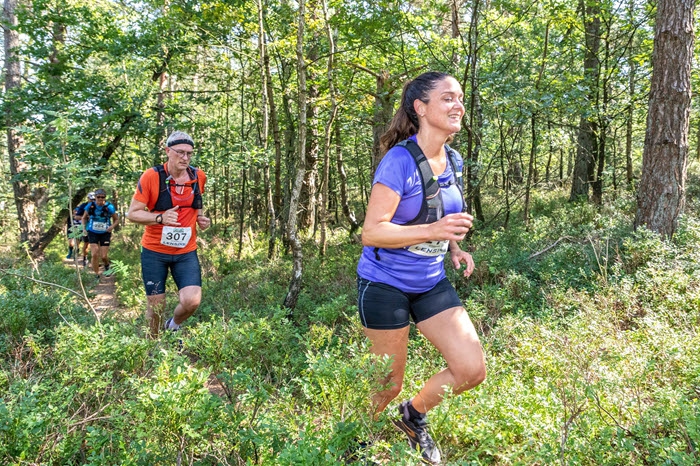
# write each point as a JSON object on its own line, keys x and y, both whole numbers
{"x": 105, "y": 300}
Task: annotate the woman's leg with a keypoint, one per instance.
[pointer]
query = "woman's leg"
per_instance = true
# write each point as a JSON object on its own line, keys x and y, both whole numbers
{"x": 393, "y": 343}
{"x": 453, "y": 334}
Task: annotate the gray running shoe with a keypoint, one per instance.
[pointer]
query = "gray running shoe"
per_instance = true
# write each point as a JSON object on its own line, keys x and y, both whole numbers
{"x": 167, "y": 328}
{"x": 418, "y": 437}
{"x": 166, "y": 325}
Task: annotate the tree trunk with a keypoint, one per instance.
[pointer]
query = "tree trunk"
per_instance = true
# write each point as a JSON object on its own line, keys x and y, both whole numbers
{"x": 505, "y": 174}
{"x": 323, "y": 214}
{"x": 587, "y": 145}
{"x": 227, "y": 186}
{"x": 241, "y": 220}
{"x": 264, "y": 135}
{"x": 533, "y": 133}
{"x": 244, "y": 172}
{"x": 697, "y": 142}
{"x": 383, "y": 110}
{"x": 56, "y": 68}
{"x": 550, "y": 153}
{"x": 291, "y": 161}
{"x": 630, "y": 122}
{"x": 473, "y": 190}
{"x": 161, "y": 77}
{"x": 597, "y": 184}
{"x": 602, "y": 136}
{"x": 24, "y": 198}
{"x": 290, "y": 300}
{"x": 560, "y": 182}
{"x": 455, "y": 13}
{"x": 661, "y": 194}
{"x": 309, "y": 193}
{"x": 343, "y": 182}
{"x": 630, "y": 109}
{"x": 383, "y": 107}
{"x": 276, "y": 138}
{"x": 530, "y": 169}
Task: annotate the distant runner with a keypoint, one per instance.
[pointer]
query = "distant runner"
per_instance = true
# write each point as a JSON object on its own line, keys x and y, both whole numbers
{"x": 99, "y": 220}
{"x": 78, "y": 216}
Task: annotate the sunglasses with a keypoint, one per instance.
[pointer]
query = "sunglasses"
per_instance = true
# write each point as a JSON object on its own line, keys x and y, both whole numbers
{"x": 101, "y": 197}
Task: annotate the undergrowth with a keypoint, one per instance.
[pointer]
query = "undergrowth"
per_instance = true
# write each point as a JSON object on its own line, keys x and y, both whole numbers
{"x": 589, "y": 329}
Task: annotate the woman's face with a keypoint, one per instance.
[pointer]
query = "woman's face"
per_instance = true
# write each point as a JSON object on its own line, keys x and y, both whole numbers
{"x": 444, "y": 109}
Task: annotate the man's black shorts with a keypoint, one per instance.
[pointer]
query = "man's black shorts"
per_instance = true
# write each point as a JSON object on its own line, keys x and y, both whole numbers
{"x": 102, "y": 239}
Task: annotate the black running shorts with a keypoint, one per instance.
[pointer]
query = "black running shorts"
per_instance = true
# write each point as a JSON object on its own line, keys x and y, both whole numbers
{"x": 384, "y": 307}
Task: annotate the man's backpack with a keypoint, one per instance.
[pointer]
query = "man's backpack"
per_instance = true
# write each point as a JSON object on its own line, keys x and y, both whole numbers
{"x": 93, "y": 206}
{"x": 165, "y": 201}
{"x": 80, "y": 210}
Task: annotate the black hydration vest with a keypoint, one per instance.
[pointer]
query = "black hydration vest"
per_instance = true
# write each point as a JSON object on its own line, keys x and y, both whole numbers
{"x": 432, "y": 208}
{"x": 93, "y": 207}
{"x": 165, "y": 201}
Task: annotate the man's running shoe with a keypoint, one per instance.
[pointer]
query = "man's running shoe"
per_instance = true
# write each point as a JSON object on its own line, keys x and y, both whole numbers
{"x": 418, "y": 437}
{"x": 167, "y": 328}
{"x": 166, "y": 325}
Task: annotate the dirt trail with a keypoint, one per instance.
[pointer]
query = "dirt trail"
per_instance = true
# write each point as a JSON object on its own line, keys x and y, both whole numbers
{"x": 105, "y": 299}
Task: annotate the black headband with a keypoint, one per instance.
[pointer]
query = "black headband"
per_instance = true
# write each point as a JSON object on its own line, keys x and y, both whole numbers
{"x": 181, "y": 141}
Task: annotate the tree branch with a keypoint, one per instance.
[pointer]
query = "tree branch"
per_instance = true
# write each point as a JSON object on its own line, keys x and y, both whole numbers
{"x": 552, "y": 246}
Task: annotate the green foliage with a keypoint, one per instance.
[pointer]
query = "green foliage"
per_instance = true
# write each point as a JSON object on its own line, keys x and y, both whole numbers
{"x": 25, "y": 312}
{"x": 264, "y": 345}
{"x": 30, "y": 304}
{"x": 590, "y": 344}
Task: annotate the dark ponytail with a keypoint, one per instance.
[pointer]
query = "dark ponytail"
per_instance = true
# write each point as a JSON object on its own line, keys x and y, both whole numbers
{"x": 405, "y": 122}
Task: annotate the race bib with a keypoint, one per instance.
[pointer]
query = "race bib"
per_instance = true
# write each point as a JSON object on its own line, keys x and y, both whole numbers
{"x": 99, "y": 227}
{"x": 430, "y": 248}
{"x": 177, "y": 237}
